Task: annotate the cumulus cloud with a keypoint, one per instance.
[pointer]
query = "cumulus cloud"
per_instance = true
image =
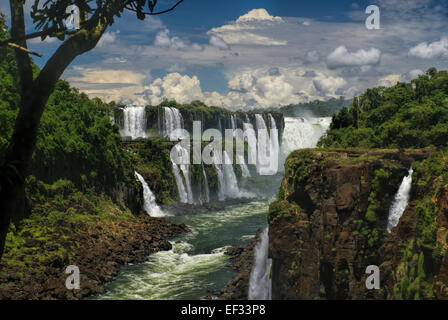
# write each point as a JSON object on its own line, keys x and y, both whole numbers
{"x": 433, "y": 50}
{"x": 247, "y": 28}
{"x": 329, "y": 85}
{"x": 219, "y": 43}
{"x": 109, "y": 84}
{"x": 258, "y": 15}
{"x": 164, "y": 40}
{"x": 183, "y": 89}
{"x": 389, "y": 80}
{"x": 341, "y": 57}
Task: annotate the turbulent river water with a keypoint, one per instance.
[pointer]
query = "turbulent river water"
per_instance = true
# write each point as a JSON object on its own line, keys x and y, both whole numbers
{"x": 197, "y": 264}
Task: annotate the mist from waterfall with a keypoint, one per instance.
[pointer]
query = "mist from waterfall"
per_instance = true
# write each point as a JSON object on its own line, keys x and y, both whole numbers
{"x": 400, "y": 202}
{"x": 134, "y": 123}
{"x": 149, "y": 200}
{"x": 260, "y": 284}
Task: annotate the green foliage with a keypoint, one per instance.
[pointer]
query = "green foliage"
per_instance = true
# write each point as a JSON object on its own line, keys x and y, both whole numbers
{"x": 406, "y": 115}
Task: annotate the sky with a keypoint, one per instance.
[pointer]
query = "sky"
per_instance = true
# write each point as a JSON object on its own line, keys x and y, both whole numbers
{"x": 244, "y": 54}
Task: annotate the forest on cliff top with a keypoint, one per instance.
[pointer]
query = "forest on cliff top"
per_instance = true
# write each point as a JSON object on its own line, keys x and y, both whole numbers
{"x": 406, "y": 115}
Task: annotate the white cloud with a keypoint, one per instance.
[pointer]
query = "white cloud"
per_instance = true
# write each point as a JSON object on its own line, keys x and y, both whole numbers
{"x": 183, "y": 89}
{"x": 430, "y": 51}
{"x": 389, "y": 80}
{"x": 109, "y": 84}
{"x": 247, "y": 28}
{"x": 328, "y": 85}
{"x": 258, "y": 15}
{"x": 108, "y": 37}
{"x": 219, "y": 43}
{"x": 164, "y": 40}
{"x": 341, "y": 57}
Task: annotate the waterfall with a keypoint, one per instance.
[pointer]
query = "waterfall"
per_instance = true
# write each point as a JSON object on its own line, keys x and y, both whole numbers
{"x": 259, "y": 281}
{"x": 207, "y": 188}
{"x": 301, "y": 133}
{"x": 232, "y": 190}
{"x": 400, "y": 202}
{"x": 244, "y": 169}
{"x": 267, "y": 146}
{"x": 228, "y": 183}
{"x": 134, "y": 122}
{"x": 233, "y": 122}
{"x": 149, "y": 204}
{"x": 173, "y": 121}
{"x": 180, "y": 184}
{"x": 274, "y": 151}
{"x": 252, "y": 140}
{"x": 185, "y": 189}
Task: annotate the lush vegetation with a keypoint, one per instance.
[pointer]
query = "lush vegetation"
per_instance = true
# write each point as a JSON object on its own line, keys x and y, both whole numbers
{"x": 76, "y": 140}
{"x": 406, "y": 115}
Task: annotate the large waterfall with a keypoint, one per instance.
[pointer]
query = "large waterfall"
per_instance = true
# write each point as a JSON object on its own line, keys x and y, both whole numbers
{"x": 134, "y": 122}
{"x": 149, "y": 200}
{"x": 400, "y": 202}
{"x": 301, "y": 133}
{"x": 260, "y": 282}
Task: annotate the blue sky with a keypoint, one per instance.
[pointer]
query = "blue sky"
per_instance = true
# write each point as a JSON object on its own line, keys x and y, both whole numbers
{"x": 267, "y": 53}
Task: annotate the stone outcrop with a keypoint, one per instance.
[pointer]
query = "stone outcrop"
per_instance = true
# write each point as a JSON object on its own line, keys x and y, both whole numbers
{"x": 329, "y": 223}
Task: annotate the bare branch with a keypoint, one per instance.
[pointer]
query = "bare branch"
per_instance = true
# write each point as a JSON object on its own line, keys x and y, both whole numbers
{"x": 16, "y": 46}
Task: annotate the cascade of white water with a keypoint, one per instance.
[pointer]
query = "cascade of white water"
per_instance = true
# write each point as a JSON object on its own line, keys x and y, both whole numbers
{"x": 149, "y": 200}
{"x": 184, "y": 188}
{"x": 173, "y": 121}
{"x": 244, "y": 169}
{"x": 207, "y": 188}
{"x": 252, "y": 141}
{"x": 274, "y": 151}
{"x": 134, "y": 122}
{"x": 264, "y": 153}
{"x": 400, "y": 202}
{"x": 301, "y": 133}
{"x": 259, "y": 282}
{"x": 232, "y": 190}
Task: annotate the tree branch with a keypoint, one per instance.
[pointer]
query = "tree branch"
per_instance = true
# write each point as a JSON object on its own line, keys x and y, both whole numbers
{"x": 157, "y": 13}
{"x": 16, "y": 46}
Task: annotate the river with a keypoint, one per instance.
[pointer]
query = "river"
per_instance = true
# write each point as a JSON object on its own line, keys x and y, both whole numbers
{"x": 197, "y": 264}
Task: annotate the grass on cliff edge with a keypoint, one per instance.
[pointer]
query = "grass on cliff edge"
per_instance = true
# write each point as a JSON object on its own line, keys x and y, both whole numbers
{"x": 59, "y": 213}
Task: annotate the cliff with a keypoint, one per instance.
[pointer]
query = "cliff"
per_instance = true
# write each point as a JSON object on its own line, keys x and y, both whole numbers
{"x": 329, "y": 223}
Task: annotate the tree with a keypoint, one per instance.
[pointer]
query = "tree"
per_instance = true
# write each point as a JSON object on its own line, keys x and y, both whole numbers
{"x": 49, "y": 16}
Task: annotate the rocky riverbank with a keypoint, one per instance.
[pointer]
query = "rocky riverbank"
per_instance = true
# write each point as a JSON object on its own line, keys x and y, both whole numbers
{"x": 92, "y": 233}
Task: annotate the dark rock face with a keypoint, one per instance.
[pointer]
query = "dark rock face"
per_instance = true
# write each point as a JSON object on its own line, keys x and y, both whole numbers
{"x": 241, "y": 260}
{"x": 104, "y": 248}
{"x": 329, "y": 223}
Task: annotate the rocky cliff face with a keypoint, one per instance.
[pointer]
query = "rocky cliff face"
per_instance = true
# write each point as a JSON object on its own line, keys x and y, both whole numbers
{"x": 329, "y": 223}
